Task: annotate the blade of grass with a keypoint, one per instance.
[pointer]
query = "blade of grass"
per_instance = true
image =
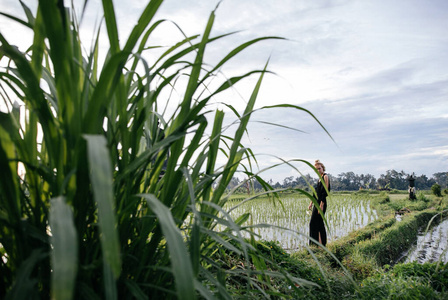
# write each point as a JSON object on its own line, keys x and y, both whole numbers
{"x": 143, "y": 21}
{"x": 64, "y": 254}
{"x": 195, "y": 240}
{"x": 302, "y": 109}
{"x": 111, "y": 25}
{"x": 23, "y": 287}
{"x": 36, "y": 100}
{"x": 234, "y": 157}
{"x": 8, "y": 184}
{"x": 102, "y": 185}
{"x": 235, "y": 51}
{"x": 181, "y": 266}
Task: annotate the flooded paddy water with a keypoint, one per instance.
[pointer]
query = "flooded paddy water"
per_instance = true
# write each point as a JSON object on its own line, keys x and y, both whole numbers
{"x": 345, "y": 213}
{"x": 431, "y": 245}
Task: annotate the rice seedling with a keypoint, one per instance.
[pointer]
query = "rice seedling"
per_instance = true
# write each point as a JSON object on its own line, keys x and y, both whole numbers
{"x": 119, "y": 197}
{"x": 345, "y": 213}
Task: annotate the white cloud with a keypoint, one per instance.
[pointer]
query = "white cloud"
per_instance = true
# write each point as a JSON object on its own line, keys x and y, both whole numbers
{"x": 373, "y": 72}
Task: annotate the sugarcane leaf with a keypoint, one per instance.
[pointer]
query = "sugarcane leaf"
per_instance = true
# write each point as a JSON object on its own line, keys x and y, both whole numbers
{"x": 25, "y": 285}
{"x": 142, "y": 23}
{"x": 8, "y": 182}
{"x": 180, "y": 262}
{"x": 102, "y": 185}
{"x": 237, "y": 50}
{"x": 235, "y": 154}
{"x": 111, "y": 25}
{"x": 64, "y": 254}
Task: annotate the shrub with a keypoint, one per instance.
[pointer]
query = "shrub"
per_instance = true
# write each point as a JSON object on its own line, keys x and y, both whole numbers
{"x": 421, "y": 197}
{"x": 436, "y": 190}
{"x": 362, "y": 192}
{"x": 384, "y": 197}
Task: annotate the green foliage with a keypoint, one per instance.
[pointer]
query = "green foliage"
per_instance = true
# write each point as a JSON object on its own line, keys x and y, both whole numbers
{"x": 361, "y": 252}
{"x": 317, "y": 283}
{"x": 387, "y": 247}
{"x": 422, "y": 197}
{"x": 387, "y": 286}
{"x": 267, "y": 260}
{"x": 436, "y": 190}
{"x": 393, "y": 181}
{"x": 407, "y": 205}
{"x": 384, "y": 197}
{"x": 362, "y": 192}
{"x": 121, "y": 195}
{"x": 407, "y": 281}
{"x": 365, "y": 251}
{"x": 360, "y": 265}
{"x": 436, "y": 274}
{"x": 276, "y": 254}
{"x": 65, "y": 249}
{"x": 122, "y": 198}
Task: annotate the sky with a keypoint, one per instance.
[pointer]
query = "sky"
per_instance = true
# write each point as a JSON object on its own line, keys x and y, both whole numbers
{"x": 373, "y": 72}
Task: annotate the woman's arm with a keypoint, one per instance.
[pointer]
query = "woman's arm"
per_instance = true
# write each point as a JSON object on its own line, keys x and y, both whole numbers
{"x": 326, "y": 180}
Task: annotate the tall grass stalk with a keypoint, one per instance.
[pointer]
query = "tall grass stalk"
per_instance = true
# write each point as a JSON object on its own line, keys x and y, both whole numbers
{"x": 119, "y": 198}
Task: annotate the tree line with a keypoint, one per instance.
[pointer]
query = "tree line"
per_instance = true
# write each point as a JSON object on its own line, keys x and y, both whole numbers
{"x": 350, "y": 181}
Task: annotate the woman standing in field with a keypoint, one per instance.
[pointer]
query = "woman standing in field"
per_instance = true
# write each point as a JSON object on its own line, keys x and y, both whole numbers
{"x": 317, "y": 226}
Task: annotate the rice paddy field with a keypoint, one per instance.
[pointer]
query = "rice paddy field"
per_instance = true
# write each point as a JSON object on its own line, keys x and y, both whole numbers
{"x": 345, "y": 213}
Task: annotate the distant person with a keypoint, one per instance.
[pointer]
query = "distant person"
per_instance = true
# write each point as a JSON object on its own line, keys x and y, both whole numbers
{"x": 317, "y": 226}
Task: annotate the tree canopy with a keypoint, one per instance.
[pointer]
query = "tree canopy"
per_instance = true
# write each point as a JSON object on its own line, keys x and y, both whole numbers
{"x": 349, "y": 181}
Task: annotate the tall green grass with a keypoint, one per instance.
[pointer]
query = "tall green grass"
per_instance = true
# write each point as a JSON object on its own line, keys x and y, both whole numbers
{"x": 120, "y": 198}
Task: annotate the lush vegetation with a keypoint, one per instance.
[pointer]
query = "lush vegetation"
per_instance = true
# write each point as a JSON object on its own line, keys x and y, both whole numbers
{"x": 372, "y": 255}
{"x": 368, "y": 262}
{"x": 401, "y": 281}
{"x": 436, "y": 190}
{"x": 365, "y": 264}
{"x": 349, "y": 181}
{"x": 110, "y": 185}
{"x": 368, "y": 253}
{"x": 108, "y": 193}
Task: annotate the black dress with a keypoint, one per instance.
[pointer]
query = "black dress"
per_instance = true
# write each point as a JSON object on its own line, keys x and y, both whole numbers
{"x": 317, "y": 223}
